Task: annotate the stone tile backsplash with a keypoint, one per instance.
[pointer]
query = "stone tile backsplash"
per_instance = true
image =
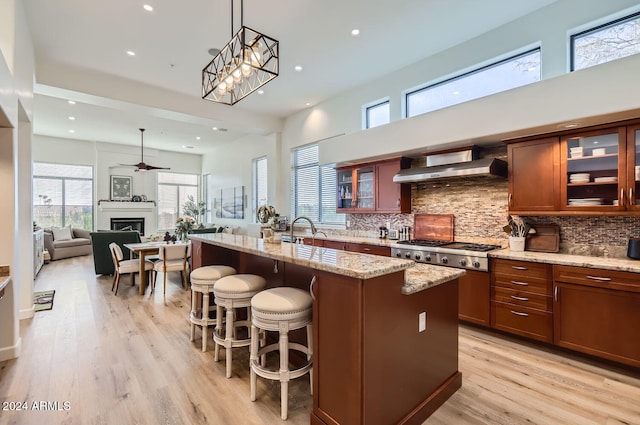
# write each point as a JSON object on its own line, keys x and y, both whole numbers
{"x": 479, "y": 206}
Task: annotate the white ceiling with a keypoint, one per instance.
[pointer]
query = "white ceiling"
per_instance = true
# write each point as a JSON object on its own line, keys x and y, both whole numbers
{"x": 81, "y": 46}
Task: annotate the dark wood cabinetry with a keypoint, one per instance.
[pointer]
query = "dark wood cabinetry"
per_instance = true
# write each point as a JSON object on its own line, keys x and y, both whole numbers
{"x": 596, "y": 312}
{"x": 364, "y": 248}
{"x": 474, "y": 298}
{"x": 534, "y": 173}
{"x": 587, "y": 172}
{"x": 521, "y": 298}
{"x": 368, "y": 188}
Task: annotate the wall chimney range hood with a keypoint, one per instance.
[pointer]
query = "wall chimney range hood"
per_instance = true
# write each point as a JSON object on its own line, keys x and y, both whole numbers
{"x": 453, "y": 164}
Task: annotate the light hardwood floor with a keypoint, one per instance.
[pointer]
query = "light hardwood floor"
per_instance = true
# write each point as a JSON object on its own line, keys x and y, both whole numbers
{"x": 127, "y": 359}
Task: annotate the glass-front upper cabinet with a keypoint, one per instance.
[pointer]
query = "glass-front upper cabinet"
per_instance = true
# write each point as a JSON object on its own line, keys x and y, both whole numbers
{"x": 594, "y": 170}
{"x": 365, "y": 188}
{"x": 633, "y": 166}
{"x": 345, "y": 189}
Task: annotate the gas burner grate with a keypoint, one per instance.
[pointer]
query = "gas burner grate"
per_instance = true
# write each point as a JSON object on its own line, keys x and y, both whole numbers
{"x": 424, "y": 242}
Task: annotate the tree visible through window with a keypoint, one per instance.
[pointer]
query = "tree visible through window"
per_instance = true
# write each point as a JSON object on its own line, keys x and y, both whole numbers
{"x": 63, "y": 195}
{"x": 604, "y": 43}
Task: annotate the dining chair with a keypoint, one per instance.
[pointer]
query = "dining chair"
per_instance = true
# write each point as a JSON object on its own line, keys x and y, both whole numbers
{"x": 173, "y": 258}
{"x": 122, "y": 266}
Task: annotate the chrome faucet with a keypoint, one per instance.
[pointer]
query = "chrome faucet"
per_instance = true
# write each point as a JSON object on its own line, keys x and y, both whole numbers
{"x": 300, "y": 217}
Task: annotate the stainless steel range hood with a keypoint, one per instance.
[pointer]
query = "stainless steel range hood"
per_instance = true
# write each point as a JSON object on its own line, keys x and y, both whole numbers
{"x": 457, "y": 164}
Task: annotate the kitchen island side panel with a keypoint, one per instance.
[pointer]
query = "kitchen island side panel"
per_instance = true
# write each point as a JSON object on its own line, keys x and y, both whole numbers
{"x": 405, "y": 368}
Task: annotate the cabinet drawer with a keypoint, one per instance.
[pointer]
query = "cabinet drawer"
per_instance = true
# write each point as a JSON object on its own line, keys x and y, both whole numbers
{"x": 522, "y": 298}
{"x": 521, "y": 268}
{"x": 333, "y": 244}
{"x": 368, "y": 249}
{"x": 528, "y": 322}
{"x": 609, "y": 279}
{"x": 523, "y": 283}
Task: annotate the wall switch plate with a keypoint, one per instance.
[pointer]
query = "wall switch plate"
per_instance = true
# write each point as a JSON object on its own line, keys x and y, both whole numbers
{"x": 422, "y": 321}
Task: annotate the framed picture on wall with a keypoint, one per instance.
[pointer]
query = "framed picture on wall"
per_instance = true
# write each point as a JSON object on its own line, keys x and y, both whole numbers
{"x": 120, "y": 188}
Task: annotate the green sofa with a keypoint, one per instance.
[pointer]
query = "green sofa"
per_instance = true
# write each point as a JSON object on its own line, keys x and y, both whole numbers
{"x": 100, "y": 240}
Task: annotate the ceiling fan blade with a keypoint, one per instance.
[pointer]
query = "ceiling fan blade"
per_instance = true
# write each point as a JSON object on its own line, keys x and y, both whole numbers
{"x": 151, "y": 167}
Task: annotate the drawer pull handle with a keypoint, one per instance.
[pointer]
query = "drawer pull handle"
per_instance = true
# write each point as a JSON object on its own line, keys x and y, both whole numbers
{"x": 556, "y": 291}
{"x": 600, "y": 279}
{"x": 520, "y": 298}
{"x": 517, "y": 313}
{"x": 515, "y": 282}
{"x": 366, "y": 249}
{"x": 519, "y": 268}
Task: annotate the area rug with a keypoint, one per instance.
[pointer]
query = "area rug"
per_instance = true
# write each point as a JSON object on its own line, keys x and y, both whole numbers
{"x": 43, "y": 300}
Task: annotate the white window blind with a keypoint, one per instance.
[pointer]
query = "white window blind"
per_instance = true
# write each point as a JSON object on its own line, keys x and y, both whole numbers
{"x": 63, "y": 195}
{"x": 313, "y": 187}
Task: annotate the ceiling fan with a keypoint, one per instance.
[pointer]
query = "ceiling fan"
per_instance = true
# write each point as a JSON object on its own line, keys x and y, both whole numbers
{"x": 141, "y": 166}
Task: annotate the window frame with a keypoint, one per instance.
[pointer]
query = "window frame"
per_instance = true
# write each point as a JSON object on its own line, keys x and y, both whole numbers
{"x": 63, "y": 189}
{"x": 254, "y": 179}
{"x": 179, "y": 185}
{"x": 608, "y": 22}
{"x": 366, "y": 122}
{"x": 494, "y": 62}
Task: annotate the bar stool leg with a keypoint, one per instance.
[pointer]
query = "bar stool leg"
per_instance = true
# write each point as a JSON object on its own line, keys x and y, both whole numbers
{"x": 309, "y": 355}
{"x": 284, "y": 373}
{"x": 205, "y": 318}
{"x": 217, "y": 330}
{"x": 193, "y": 312}
{"x": 227, "y": 342}
{"x": 253, "y": 357}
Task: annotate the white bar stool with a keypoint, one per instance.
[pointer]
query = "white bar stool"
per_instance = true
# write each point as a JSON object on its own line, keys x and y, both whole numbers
{"x": 280, "y": 309}
{"x": 233, "y": 292}
{"x": 202, "y": 281}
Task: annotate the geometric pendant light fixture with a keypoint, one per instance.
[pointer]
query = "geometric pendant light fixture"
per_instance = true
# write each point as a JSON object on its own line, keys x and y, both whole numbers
{"x": 246, "y": 63}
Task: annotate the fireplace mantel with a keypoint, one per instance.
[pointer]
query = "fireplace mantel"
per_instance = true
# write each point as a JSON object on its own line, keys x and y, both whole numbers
{"x": 127, "y": 206}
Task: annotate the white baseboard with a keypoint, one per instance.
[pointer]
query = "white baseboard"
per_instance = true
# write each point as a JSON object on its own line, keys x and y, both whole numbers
{"x": 27, "y": 313}
{"x": 13, "y": 352}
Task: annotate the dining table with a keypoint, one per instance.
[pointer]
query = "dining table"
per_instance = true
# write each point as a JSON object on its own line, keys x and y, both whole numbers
{"x": 142, "y": 250}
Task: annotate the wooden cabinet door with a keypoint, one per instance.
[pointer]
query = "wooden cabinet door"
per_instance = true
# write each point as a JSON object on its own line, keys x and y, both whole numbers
{"x": 633, "y": 168}
{"x": 392, "y": 197}
{"x": 534, "y": 175}
{"x": 473, "y": 298}
{"x": 364, "y": 248}
{"x": 345, "y": 187}
{"x": 598, "y": 321}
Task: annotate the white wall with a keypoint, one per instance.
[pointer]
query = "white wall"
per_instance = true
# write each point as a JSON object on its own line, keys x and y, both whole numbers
{"x": 232, "y": 165}
{"x": 105, "y": 158}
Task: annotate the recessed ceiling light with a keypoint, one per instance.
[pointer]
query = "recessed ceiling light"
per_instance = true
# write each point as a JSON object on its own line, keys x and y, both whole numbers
{"x": 215, "y": 128}
{"x": 308, "y": 104}
{"x": 72, "y": 131}
{"x": 298, "y": 68}
{"x": 148, "y": 7}
{"x": 131, "y": 53}
{"x": 71, "y": 102}
{"x": 456, "y": 92}
{"x": 355, "y": 32}
{"x": 197, "y": 137}
{"x": 260, "y": 91}
{"x": 72, "y": 118}
{"x": 187, "y": 147}
{"x": 531, "y": 68}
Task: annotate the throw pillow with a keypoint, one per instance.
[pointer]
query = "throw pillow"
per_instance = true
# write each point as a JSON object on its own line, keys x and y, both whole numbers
{"x": 62, "y": 233}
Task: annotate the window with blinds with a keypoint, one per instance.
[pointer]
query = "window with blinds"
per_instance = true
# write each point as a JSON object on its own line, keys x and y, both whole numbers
{"x": 173, "y": 190}
{"x": 63, "y": 195}
{"x": 313, "y": 188}
{"x": 260, "y": 184}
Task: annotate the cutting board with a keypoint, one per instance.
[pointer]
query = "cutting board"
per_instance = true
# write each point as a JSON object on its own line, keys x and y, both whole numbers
{"x": 546, "y": 239}
{"x": 435, "y": 227}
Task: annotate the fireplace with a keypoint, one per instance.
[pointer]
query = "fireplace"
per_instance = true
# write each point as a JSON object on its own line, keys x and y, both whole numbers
{"x": 127, "y": 223}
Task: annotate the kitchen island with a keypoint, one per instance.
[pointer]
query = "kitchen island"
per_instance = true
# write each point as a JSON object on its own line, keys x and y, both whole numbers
{"x": 372, "y": 363}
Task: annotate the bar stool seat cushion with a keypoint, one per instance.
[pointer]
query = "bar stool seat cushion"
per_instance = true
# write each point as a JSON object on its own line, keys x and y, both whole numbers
{"x": 282, "y": 303}
{"x": 239, "y": 286}
{"x": 207, "y": 274}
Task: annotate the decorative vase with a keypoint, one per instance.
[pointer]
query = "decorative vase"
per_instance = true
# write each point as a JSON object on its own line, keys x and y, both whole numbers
{"x": 516, "y": 243}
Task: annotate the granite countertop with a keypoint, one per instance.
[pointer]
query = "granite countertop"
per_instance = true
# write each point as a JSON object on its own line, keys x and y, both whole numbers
{"x": 352, "y": 239}
{"x": 425, "y": 276}
{"x": 606, "y": 263}
{"x": 351, "y": 264}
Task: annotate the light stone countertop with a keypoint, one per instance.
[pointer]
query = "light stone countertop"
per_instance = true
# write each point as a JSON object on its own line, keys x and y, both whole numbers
{"x": 5, "y": 277}
{"x": 606, "y": 263}
{"x": 351, "y": 264}
{"x": 351, "y": 239}
{"x": 425, "y": 276}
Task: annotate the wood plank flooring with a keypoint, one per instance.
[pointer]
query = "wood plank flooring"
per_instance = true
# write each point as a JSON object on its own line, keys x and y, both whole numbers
{"x": 127, "y": 359}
